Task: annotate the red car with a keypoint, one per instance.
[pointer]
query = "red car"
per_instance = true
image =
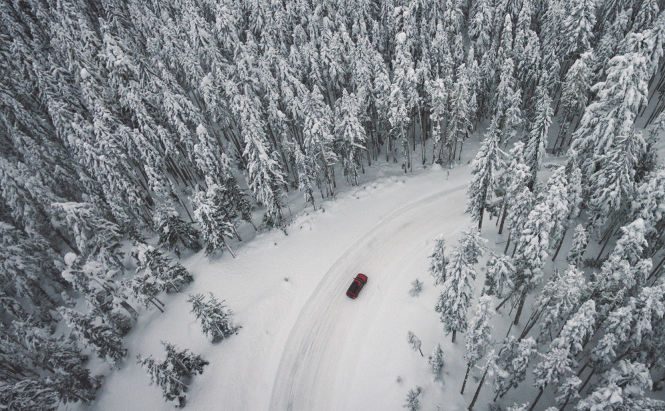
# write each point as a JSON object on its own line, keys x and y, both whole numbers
{"x": 357, "y": 285}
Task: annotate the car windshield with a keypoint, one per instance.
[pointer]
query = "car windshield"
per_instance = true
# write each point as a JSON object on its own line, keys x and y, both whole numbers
{"x": 354, "y": 288}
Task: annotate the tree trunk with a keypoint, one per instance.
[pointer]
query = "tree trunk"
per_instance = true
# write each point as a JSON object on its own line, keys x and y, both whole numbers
{"x": 503, "y": 219}
{"x": 466, "y": 376}
{"x": 505, "y": 250}
{"x": 520, "y": 307}
{"x": 558, "y": 247}
{"x": 480, "y": 385}
{"x": 480, "y": 220}
{"x": 454, "y": 335}
{"x": 533, "y": 404}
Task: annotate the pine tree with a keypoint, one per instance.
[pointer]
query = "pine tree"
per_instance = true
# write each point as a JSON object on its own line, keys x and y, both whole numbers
{"x": 438, "y": 95}
{"x": 174, "y": 233}
{"x": 214, "y": 317}
{"x": 413, "y": 399}
{"x": 436, "y": 361}
{"x": 485, "y": 170}
{"x": 174, "y": 372}
{"x": 350, "y": 134}
{"x": 212, "y": 212}
{"x": 415, "y": 343}
{"x": 264, "y": 172}
{"x": 578, "y": 247}
{"x": 500, "y": 275}
{"x": 416, "y": 288}
{"x": 532, "y": 251}
{"x": 623, "y": 387}
{"x": 438, "y": 261}
{"x": 457, "y": 292}
{"x": 41, "y": 370}
{"x": 537, "y": 140}
{"x": 106, "y": 343}
{"x": 574, "y": 95}
{"x": 561, "y": 295}
{"x": 152, "y": 263}
{"x": 472, "y": 245}
{"x": 402, "y": 96}
{"x": 578, "y": 27}
{"x": 479, "y": 336}
{"x": 459, "y": 122}
{"x": 318, "y": 135}
{"x": 306, "y": 176}
{"x": 91, "y": 231}
{"x": 511, "y": 364}
{"x": 518, "y": 198}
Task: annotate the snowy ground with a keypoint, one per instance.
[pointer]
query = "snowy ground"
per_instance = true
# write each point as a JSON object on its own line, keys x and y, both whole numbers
{"x": 304, "y": 345}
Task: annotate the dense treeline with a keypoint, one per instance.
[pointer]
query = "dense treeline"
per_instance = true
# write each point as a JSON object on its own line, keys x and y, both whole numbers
{"x": 121, "y": 118}
{"x": 593, "y": 339}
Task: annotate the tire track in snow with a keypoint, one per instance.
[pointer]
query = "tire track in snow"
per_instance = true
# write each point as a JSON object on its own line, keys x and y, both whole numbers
{"x": 309, "y": 373}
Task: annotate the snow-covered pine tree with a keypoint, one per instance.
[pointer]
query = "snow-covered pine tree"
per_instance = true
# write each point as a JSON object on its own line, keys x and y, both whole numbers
{"x": 41, "y": 370}
{"x": 318, "y": 139}
{"x": 416, "y": 288}
{"x": 561, "y": 295}
{"x": 577, "y": 28}
{"x": 151, "y": 262}
{"x": 100, "y": 337}
{"x": 500, "y": 275}
{"x": 174, "y": 233}
{"x": 413, "y": 399}
{"x": 538, "y": 132}
{"x": 415, "y": 343}
{"x": 436, "y": 361}
{"x": 459, "y": 121}
{"x": 472, "y": 245}
{"x": 438, "y": 261}
{"x": 212, "y": 212}
{"x": 457, "y": 291}
{"x": 574, "y": 96}
{"x": 264, "y": 172}
{"x": 350, "y": 135}
{"x": 511, "y": 364}
{"x": 402, "y": 93}
{"x": 480, "y": 26}
{"x": 622, "y": 388}
{"x": 517, "y": 198}
{"x": 439, "y": 113}
{"x": 306, "y": 170}
{"x": 578, "y": 246}
{"x": 625, "y": 270}
{"x": 557, "y": 364}
{"x": 91, "y": 232}
{"x": 479, "y": 336}
{"x": 174, "y": 373}
{"x": 532, "y": 251}
{"x": 485, "y": 170}
{"x": 214, "y": 316}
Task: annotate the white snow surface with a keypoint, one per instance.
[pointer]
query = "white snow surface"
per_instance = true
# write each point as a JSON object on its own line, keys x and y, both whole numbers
{"x": 304, "y": 345}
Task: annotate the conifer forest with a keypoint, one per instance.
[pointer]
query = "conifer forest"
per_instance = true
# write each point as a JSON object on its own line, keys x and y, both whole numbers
{"x": 187, "y": 187}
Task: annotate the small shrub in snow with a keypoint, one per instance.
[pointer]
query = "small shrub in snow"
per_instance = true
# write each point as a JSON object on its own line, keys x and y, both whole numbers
{"x": 415, "y": 343}
{"x": 416, "y": 288}
{"x": 214, "y": 316}
{"x": 413, "y": 399}
{"x": 173, "y": 374}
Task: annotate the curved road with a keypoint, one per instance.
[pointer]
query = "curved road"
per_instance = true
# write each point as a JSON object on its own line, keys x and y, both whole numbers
{"x": 327, "y": 351}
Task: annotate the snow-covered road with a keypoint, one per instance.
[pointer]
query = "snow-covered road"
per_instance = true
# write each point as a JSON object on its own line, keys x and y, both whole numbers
{"x": 304, "y": 345}
{"x": 334, "y": 350}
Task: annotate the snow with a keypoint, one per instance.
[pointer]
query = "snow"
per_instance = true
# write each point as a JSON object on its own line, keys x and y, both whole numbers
{"x": 304, "y": 345}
